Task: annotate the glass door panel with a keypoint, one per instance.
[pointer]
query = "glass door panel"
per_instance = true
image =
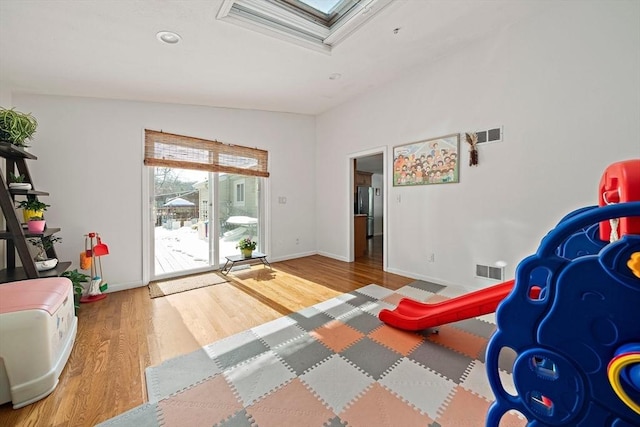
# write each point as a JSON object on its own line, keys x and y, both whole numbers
{"x": 238, "y": 212}
{"x": 181, "y": 233}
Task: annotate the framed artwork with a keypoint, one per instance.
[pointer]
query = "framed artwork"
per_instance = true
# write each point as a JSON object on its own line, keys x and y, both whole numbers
{"x": 432, "y": 161}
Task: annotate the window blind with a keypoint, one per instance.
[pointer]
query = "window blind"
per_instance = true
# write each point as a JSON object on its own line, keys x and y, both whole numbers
{"x": 186, "y": 152}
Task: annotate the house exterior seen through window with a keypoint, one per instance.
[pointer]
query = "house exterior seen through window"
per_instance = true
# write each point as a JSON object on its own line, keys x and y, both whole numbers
{"x": 239, "y": 201}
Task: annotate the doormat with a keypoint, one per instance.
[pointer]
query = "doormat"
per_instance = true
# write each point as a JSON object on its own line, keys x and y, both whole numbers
{"x": 332, "y": 364}
{"x": 183, "y": 284}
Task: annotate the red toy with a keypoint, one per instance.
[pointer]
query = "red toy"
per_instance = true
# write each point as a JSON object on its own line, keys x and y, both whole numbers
{"x": 97, "y": 286}
{"x": 413, "y": 315}
{"x": 619, "y": 184}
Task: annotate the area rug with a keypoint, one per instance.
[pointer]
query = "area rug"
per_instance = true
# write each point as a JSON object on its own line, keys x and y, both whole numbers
{"x": 174, "y": 286}
{"x": 333, "y": 364}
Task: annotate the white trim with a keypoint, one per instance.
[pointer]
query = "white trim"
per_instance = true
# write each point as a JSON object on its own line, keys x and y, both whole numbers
{"x": 125, "y": 286}
{"x": 279, "y": 34}
{"x": 353, "y": 20}
{"x": 279, "y": 14}
{"x": 436, "y": 280}
{"x": 264, "y": 216}
{"x": 147, "y": 247}
{"x": 214, "y": 226}
{"x": 225, "y": 8}
{"x": 298, "y": 255}
{"x": 334, "y": 256}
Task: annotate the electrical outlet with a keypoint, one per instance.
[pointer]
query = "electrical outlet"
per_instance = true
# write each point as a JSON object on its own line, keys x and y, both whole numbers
{"x": 432, "y": 257}
{"x": 297, "y": 240}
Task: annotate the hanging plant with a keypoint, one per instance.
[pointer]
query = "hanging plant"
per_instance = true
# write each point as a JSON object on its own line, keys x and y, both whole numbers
{"x": 472, "y": 139}
{"x": 16, "y": 127}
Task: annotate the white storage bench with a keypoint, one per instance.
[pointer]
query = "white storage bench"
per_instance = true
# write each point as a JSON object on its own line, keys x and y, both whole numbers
{"x": 37, "y": 331}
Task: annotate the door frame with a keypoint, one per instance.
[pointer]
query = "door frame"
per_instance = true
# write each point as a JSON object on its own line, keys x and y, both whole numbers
{"x": 147, "y": 245}
{"x": 385, "y": 185}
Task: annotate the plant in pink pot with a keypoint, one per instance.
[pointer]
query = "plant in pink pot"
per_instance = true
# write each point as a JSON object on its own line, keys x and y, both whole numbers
{"x": 36, "y": 224}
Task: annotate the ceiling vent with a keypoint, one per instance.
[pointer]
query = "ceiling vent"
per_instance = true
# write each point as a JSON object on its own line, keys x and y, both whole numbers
{"x": 490, "y": 135}
{"x": 298, "y": 21}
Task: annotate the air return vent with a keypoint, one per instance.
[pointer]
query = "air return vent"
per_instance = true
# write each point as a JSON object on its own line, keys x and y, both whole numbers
{"x": 489, "y": 272}
{"x": 489, "y": 135}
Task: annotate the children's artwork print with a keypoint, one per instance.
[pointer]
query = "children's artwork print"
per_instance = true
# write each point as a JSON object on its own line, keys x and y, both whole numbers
{"x": 433, "y": 161}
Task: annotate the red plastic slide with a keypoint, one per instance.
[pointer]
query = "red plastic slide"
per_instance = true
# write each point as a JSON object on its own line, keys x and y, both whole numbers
{"x": 412, "y": 315}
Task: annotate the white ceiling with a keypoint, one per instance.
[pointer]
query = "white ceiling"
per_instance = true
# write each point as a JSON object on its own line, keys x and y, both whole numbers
{"x": 108, "y": 49}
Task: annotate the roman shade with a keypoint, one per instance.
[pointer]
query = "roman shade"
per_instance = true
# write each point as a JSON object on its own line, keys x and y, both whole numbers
{"x": 185, "y": 152}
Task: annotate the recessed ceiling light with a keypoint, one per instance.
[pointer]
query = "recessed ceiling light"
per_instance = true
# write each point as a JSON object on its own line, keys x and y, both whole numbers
{"x": 168, "y": 37}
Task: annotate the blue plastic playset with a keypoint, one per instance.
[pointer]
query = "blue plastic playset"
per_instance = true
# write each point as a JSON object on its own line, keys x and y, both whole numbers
{"x": 573, "y": 317}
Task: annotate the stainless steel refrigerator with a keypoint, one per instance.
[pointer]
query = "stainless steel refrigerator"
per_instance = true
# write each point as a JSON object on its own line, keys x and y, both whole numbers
{"x": 364, "y": 205}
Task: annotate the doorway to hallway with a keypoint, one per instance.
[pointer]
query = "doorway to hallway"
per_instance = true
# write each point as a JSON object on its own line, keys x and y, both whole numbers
{"x": 368, "y": 200}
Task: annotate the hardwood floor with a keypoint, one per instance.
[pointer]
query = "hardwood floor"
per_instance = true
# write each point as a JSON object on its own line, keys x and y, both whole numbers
{"x": 120, "y": 336}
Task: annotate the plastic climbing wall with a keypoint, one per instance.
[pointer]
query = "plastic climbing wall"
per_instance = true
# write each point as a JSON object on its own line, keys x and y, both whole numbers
{"x": 573, "y": 317}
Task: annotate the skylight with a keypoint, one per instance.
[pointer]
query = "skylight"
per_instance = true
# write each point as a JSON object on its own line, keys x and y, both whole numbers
{"x": 324, "y": 6}
{"x": 318, "y": 24}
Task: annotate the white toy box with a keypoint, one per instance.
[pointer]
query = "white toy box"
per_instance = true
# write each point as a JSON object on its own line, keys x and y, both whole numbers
{"x": 37, "y": 331}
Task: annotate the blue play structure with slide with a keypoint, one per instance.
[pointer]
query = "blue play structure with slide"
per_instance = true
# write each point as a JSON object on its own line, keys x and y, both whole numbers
{"x": 573, "y": 317}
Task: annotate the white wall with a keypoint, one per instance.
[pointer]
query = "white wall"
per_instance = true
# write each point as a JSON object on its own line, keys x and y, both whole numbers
{"x": 566, "y": 88}
{"x": 90, "y": 161}
{"x": 5, "y": 96}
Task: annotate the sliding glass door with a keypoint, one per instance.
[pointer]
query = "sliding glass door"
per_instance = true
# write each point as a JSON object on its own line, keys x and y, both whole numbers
{"x": 199, "y": 217}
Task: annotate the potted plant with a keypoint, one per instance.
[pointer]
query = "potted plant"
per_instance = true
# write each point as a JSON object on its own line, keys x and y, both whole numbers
{"x": 16, "y": 182}
{"x": 77, "y": 279}
{"x": 36, "y": 224}
{"x": 16, "y": 127}
{"x": 32, "y": 207}
{"x": 247, "y": 246}
{"x": 42, "y": 245}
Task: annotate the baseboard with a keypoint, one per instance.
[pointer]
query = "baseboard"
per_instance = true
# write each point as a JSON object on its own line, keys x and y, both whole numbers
{"x": 436, "y": 280}
{"x": 333, "y": 256}
{"x": 291, "y": 256}
{"x": 123, "y": 286}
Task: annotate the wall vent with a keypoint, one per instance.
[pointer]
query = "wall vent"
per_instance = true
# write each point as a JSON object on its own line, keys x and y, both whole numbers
{"x": 490, "y": 135}
{"x": 490, "y": 272}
